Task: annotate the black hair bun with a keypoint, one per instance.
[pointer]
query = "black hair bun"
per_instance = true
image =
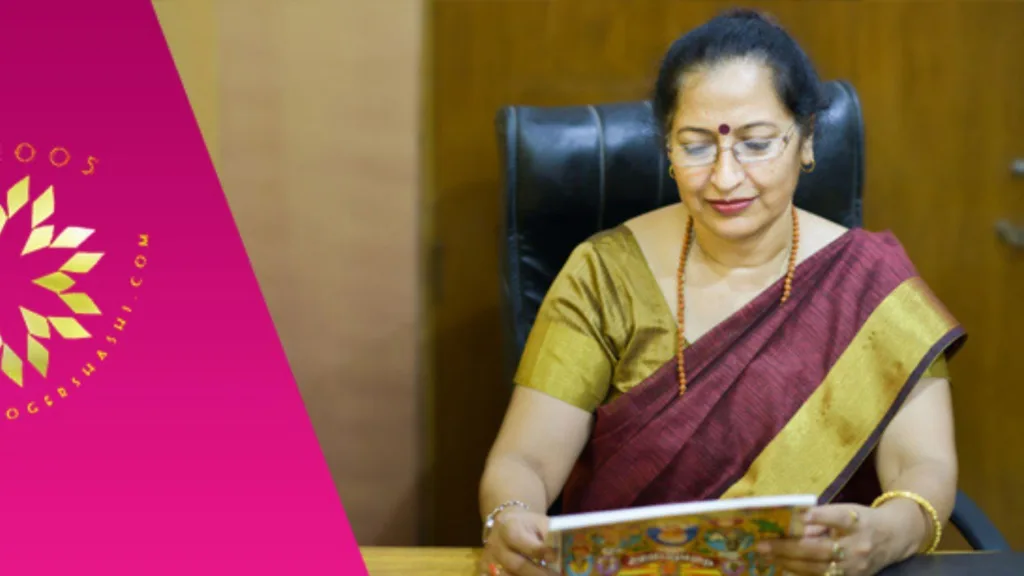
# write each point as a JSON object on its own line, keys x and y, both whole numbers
{"x": 740, "y": 33}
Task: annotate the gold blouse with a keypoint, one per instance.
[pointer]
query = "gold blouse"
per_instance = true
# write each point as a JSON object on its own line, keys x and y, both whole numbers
{"x": 604, "y": 326}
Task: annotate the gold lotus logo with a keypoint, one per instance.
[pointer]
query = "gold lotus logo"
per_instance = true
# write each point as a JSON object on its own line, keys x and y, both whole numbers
{"x": 60, "y": 282}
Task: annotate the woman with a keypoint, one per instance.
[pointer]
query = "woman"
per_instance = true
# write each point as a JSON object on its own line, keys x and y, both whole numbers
{"x": 815, "y": 357}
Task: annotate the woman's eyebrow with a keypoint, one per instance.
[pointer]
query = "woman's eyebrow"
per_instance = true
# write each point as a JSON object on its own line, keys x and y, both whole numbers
{"x": 693, "y": 129}
{"x": 708, "y": 131}
{"x": 758, "y": 125}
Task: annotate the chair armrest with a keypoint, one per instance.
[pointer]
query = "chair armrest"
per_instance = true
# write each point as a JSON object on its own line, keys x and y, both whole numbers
{"x": 975, "y": 526}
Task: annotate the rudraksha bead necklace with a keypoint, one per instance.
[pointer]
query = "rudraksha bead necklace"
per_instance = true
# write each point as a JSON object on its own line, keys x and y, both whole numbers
{"x": 681, "y": 275}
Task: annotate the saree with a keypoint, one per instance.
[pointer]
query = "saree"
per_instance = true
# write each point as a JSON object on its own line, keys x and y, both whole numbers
{"x": 781, "y": 399}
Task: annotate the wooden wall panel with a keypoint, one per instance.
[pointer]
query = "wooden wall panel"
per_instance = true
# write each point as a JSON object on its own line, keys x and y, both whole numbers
{"x": 316, "y": 106}
{"x": 941, "y": 84}
{"x": 916, "y": 89}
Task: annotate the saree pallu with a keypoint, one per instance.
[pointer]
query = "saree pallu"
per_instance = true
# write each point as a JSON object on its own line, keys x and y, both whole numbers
{"x": 781, "y": 398}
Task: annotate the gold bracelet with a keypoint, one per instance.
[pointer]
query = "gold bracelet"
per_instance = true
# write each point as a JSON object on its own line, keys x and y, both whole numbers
{"x": 925, "y": 505}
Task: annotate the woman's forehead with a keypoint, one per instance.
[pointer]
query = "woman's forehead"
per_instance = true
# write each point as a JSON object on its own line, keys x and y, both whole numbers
{"x": 735, "y": 93}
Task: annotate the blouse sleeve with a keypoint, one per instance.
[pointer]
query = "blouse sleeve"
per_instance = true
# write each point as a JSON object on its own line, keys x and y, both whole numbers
{"x": 567, "y": 354}
{"x": 938, "y": 369}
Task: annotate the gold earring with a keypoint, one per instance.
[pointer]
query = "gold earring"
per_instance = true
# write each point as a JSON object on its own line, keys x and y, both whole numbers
{"x": 808, "y": 168}
{"x": 672, "y": 172}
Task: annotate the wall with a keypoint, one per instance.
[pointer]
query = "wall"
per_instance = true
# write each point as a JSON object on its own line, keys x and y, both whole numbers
{"x": 312, "y": 111}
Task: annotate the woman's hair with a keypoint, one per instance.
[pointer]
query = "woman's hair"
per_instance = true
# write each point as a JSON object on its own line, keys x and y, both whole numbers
{"x": 735, "y": 34}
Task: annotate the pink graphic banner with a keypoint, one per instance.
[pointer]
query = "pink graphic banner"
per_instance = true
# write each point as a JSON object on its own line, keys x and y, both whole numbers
{"x": 149, "y": 422}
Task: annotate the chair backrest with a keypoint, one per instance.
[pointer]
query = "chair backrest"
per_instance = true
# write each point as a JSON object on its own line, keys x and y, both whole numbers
{"x": 571, "y": 172}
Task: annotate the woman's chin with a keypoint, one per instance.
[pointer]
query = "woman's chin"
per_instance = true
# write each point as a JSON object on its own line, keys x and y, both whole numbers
{"x": 733, "y": 227}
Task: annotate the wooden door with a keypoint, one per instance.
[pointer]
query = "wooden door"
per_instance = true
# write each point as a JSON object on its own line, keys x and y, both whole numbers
{"x": 942, "y": 85}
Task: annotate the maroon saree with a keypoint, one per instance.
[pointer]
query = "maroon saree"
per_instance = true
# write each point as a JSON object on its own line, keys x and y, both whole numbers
{"x": 788, "y": 398}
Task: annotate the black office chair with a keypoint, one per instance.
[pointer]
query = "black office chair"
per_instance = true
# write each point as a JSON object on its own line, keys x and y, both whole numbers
{"x": 571, "y": 172}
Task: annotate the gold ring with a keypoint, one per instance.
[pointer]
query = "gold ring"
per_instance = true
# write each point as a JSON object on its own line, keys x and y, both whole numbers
{"x": 838, "y": 552}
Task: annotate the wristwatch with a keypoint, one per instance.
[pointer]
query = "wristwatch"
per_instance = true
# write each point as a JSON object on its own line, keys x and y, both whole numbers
{"x": 489, "y": 522}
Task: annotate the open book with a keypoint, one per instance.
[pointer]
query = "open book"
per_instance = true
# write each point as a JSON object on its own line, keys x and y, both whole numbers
{"x": 711, "y": 538}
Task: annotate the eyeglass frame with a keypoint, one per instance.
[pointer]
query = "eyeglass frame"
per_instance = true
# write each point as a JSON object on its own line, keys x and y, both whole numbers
{"x": 786, "y": 137}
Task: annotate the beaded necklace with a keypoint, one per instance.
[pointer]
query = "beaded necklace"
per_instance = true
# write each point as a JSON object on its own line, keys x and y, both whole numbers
{"x": 681, "y": 312}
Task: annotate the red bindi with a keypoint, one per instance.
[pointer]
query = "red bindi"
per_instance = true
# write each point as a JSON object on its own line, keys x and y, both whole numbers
{"x": 723, "y": 129}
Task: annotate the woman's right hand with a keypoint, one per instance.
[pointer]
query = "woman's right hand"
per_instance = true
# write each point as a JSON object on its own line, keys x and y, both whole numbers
{"x": 517, "y": 545}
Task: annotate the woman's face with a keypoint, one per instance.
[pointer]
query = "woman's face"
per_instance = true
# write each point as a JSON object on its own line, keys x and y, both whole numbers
{"x": 734, "y": 107}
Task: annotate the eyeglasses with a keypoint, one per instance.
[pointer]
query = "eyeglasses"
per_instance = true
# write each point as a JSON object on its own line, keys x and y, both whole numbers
{"x": 749, "y": 151}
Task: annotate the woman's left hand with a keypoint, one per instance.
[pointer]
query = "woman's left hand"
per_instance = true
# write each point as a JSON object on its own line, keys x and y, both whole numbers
{"x": 838, "y": 540}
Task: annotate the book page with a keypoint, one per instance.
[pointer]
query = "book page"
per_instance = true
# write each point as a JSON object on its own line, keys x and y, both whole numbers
{"x": 716, "y": 543}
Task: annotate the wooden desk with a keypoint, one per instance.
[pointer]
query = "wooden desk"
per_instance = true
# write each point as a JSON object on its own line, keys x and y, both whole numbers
{"x": 421, "y": 561}
{"x": 463, "y": 562}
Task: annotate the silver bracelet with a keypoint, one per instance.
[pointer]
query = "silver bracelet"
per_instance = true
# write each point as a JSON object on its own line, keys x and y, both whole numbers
{"x": 489, "y": 522}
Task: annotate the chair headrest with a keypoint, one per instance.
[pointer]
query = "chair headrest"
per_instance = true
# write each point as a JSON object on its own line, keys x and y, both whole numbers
{"x": 570, "y": 172}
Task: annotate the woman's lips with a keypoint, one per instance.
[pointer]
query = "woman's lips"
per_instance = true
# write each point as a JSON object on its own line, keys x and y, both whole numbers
{"x": 731, "y": 207}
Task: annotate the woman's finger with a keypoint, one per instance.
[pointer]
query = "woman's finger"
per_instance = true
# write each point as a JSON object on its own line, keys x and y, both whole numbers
{"x": 802, "y": 567}
{"x": 806, "y": 549}
{"x": 850, "y": 553}
{"x": 515, "y": 564}
{"x": 814, "y": 531}
{"x": 488, "y": 563}
{"x": 527, "y": 540}
{"x": 844, "y": 517}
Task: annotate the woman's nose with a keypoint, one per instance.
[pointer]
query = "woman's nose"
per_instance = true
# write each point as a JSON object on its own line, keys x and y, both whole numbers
{"x": 727, "y": 172}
